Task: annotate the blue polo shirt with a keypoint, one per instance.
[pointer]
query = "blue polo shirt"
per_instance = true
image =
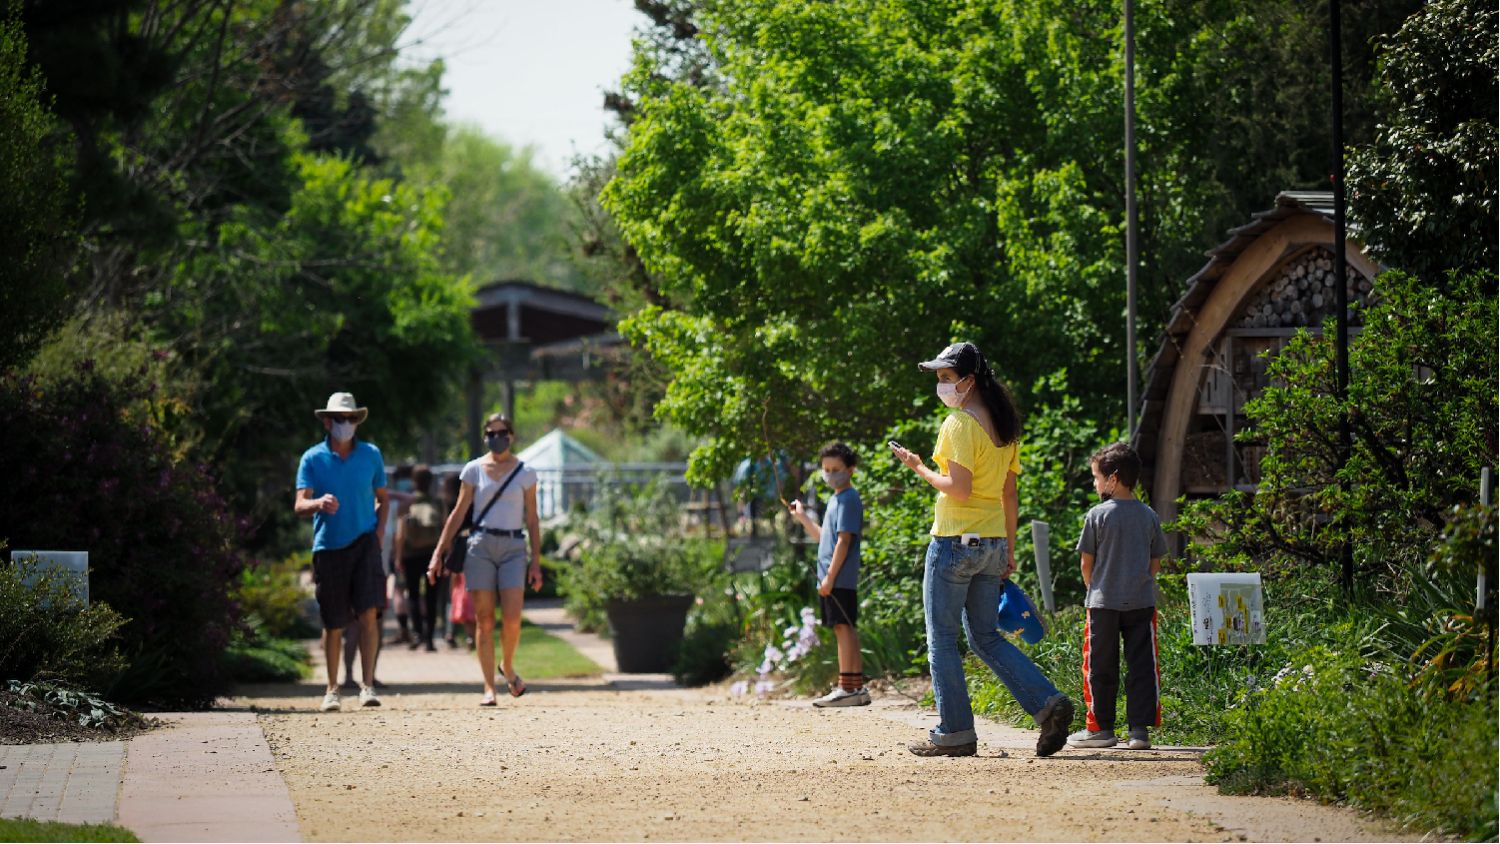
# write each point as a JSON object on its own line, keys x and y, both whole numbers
{"x": 353, "y": 482}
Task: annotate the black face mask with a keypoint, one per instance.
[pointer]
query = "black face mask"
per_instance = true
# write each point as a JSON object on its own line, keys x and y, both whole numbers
{"x": 498, "y": 443}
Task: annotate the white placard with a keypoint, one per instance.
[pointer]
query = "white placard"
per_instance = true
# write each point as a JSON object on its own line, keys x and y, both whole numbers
{"x": 1228, "y": 609}
{"x": 73, "y": 566}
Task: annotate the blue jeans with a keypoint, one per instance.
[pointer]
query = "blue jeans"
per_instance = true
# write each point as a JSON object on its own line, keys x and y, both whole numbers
{"x": 962, "y": 584}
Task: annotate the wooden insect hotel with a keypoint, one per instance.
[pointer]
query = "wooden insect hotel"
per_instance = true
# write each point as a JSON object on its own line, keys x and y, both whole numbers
{"x": 1272, "y": 278}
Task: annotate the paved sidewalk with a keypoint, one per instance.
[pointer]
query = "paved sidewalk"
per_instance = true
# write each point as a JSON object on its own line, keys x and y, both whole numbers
{"x": 73, "y": 782}
{"x": 206, "y": 776}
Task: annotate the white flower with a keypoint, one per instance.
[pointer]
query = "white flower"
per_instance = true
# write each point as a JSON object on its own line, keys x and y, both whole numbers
{"x": 790, "y": 631}
{"x": 739, "y": 688}
{"x": 764, "y": 687}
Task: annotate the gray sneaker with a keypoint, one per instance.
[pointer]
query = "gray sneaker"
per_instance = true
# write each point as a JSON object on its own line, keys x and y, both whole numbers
{"x": 1140, "y": 739}
{"x": 839, "y": 697}
{"x": 1093, "y": 738}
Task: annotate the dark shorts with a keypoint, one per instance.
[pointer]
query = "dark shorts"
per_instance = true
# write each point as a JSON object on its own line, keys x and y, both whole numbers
{"x": 348, "y": 580}
{"x": 840, "y": 607}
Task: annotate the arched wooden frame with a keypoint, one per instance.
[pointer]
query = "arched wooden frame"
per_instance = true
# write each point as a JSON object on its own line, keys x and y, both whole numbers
{"x": 1256, "y": 265}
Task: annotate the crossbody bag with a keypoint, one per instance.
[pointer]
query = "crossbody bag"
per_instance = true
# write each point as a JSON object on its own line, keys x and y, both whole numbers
{"x": 479, "y": 522}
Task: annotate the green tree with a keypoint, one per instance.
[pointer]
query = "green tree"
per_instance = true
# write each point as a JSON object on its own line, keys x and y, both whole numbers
{"x": 346, "y": 291}
{"x": 36, "y": 221}
{"x": 1423, "y": 194}
{"x": 507, "y": 218}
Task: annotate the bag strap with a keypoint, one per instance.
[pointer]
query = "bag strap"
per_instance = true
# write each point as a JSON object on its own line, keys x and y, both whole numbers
{"x": 479, "y": 522}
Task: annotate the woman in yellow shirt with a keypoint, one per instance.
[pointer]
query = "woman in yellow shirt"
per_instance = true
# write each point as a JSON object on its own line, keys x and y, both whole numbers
{"x": 972, "y": 551}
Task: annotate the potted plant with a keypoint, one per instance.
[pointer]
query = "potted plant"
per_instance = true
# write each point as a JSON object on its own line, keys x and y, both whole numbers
{"x": 638, "y": 571}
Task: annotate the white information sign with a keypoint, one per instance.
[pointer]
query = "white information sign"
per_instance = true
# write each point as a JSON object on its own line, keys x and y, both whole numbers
{"x": 1228, "y": 609}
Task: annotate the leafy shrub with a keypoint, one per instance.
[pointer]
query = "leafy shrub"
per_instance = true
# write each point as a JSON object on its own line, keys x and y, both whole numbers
{"x": 1423, "y": 411}
{"x": 255, "y": 658}
{"x": 713, "y": 627}
{"x": 271, "y": 596}
{"x": 634, "y": 547}
{"x": 47, "y": 634}
{"x": 1336, "y": 727}
{"x": 88, "y": 469}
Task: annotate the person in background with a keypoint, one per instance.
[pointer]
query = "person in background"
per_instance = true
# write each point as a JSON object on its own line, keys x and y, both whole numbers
{"x": 460, "y": 608}
{"x": 341, "y": 487}
{"x": 396, "y": 588}
{"x": 417, "y": 533}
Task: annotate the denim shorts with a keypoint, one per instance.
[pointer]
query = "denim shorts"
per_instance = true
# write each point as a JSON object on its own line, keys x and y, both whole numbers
{"x": 495, "y": 562}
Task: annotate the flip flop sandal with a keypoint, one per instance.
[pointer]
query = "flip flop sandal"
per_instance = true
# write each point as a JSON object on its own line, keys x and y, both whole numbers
{"x": 487, "y": 700}
{"x": 511, "y": 685}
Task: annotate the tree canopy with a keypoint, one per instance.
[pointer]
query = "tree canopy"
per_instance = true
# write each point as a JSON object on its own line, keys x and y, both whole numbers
{"x": 858, "y": 182}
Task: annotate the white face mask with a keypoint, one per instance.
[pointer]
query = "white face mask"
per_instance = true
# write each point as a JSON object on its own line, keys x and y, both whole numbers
{"x": 342, "y": 431}
{"x": 950, "y": 395}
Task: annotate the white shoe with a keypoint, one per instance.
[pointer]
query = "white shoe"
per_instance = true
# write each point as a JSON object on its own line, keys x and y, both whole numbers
{"x": 367, "y": 697}
{"x": 839, "y": 697}
{"x": 1093, "y": 738}
{"x": 1140, "y": 739}
{"x": 330, "y": 702}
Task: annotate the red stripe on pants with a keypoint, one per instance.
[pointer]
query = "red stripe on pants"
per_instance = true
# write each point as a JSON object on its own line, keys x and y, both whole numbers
{"x": 1156, "y": 663}
{"x": 1088, "y": 691}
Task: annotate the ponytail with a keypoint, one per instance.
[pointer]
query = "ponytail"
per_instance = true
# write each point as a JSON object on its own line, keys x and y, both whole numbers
{"x": 998, "y": 401}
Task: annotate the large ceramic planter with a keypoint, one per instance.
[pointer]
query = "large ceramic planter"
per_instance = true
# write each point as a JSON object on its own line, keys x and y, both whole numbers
{"x": 647, "y": 632}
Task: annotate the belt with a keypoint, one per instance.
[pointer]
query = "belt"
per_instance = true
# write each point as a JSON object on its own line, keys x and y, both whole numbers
{"x": 516, "y": 534}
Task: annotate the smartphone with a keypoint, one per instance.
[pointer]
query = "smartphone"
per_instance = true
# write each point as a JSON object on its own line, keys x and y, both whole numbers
{"x": 894, "y": 444}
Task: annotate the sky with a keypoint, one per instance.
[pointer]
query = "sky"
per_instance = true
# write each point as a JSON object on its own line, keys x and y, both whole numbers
{"x": 528, "y": 72}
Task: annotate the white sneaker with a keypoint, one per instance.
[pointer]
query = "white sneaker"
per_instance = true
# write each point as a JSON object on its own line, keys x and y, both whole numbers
{"x": 330, "y": 702}
{"x": 1093, "y": 738}
{"x": 367, "y": 697}
{"x": 839, "y": 697}
{"x": 1140, "y": 739}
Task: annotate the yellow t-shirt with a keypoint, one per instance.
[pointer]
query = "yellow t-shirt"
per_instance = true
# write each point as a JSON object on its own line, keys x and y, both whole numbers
{"x": 962, "y": 440}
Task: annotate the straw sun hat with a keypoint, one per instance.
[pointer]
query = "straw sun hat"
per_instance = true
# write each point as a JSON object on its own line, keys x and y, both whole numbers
{"x": 341, "y": 404}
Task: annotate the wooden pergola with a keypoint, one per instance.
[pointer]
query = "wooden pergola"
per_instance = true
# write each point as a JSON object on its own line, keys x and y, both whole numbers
{"x": 534, "y": 333}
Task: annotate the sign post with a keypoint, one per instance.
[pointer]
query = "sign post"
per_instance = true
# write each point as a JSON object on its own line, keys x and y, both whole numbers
{"x": 1041, "y": 534}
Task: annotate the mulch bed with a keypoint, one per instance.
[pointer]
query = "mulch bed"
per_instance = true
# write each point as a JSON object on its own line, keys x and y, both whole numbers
{"x": 47, "y": 725}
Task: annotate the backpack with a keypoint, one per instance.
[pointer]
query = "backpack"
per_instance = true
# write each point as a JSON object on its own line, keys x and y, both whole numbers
{"x": 424, "y": 526}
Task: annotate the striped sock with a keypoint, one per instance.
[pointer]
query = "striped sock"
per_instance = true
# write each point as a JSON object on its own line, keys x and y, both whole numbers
{"x": 851, "y": 682}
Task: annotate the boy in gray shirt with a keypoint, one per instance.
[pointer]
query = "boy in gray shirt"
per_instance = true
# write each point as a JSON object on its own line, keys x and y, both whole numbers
{"x": 1120, "y": 550}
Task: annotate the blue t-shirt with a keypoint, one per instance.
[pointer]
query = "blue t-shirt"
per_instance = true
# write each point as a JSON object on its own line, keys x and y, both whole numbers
{"x": 845, "y": 514}
{"x": 353, "y": 482}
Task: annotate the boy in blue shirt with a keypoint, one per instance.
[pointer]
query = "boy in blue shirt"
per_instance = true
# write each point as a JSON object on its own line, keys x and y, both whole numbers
{"x": 838, "y": 569}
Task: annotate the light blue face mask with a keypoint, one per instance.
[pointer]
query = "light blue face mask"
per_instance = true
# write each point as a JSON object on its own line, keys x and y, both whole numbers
{"x": 342, "y": 431}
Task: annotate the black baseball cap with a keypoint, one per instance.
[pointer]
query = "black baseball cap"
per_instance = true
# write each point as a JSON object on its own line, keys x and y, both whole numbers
{"x": 962, "y": 357}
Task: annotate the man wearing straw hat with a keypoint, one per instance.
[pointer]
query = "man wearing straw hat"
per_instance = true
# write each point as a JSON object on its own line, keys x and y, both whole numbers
{"x": 341, "y": 485}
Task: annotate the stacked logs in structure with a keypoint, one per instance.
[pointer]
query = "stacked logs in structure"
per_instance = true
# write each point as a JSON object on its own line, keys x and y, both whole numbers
{"x": 1303, "y": 294}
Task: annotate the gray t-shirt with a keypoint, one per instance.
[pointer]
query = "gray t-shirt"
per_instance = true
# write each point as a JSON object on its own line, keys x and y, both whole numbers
{"x": 845, "y": 514}
{"x": 509, "y": 513}
{"x": 1123, "y": 535}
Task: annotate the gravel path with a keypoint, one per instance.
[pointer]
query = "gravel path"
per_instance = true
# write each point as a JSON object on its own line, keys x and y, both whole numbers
{"x": 585, "y": 760}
